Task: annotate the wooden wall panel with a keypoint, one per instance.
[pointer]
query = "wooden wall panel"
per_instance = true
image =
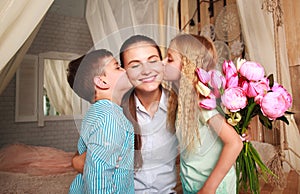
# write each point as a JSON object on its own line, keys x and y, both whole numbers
{"x": 292, "y": 30}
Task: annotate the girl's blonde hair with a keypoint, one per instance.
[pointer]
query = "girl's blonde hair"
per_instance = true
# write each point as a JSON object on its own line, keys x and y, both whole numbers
{"x": 196, "y": 51}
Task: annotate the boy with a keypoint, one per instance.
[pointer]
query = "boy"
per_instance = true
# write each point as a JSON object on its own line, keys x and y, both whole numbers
{"x": 106, "y": 134}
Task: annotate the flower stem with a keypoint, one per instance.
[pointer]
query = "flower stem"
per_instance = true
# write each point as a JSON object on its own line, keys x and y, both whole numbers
{"x": 248, "y": 116}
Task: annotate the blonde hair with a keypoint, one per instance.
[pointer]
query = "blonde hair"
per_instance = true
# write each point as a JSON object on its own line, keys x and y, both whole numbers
{"x": 196, "y": 51}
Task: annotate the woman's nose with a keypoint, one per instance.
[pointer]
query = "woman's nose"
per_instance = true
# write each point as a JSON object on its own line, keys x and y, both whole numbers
{"x": 146, "y": 68}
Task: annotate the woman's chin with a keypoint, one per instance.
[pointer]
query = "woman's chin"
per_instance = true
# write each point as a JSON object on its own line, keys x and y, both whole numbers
{"x": 148, "y": 87}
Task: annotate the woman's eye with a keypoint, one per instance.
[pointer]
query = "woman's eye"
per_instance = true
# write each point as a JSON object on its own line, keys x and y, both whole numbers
{"x": 135, "y": 66}
{"x": 153, "y": 61}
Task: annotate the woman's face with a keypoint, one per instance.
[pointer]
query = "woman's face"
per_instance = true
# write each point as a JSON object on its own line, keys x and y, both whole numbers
{"x": 143, "y": 66}
{"x": 173, "y": 65}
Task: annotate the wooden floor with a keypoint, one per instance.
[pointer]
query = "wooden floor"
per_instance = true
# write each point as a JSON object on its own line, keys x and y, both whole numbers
{"x": 292, "y": 187}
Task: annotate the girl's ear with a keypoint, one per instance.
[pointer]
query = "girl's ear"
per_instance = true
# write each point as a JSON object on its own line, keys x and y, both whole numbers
{"x": 100, "y": 83}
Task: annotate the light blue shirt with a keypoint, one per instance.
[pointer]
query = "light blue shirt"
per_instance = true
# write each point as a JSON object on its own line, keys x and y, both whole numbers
{"x": 159, "y": 151}
{"x": 108, "y": 137}
{"x": 196, "y": 167}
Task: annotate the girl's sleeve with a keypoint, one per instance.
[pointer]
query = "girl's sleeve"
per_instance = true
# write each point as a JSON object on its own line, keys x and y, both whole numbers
{"x": 207, "y": 114}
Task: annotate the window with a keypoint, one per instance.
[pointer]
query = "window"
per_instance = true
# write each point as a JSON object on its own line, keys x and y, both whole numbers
{"x": 51, "y": 93}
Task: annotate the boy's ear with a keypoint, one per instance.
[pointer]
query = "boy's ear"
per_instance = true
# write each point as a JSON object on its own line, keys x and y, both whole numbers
{"x": 100, "y": 83}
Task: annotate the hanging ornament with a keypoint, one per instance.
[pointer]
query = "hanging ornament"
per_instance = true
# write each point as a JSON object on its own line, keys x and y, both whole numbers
{"x": 208, "y": 31}
{"x": 237, "y": 48}
{"x": 227, "y": 26}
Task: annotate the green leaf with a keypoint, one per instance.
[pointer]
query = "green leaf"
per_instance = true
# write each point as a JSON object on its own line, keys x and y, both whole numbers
{"x": 265, "y": 170}
{"x": 271, "y": 80}
{"x": 289, "y": 112}
{"x": 249, "y": 113}
{"x": 265, "y": 121}
{"x": 252, "y": 174}
{"x": 284, "y": 119}
{"x": 220, "y": 110}
{"x": 256, "y": 110}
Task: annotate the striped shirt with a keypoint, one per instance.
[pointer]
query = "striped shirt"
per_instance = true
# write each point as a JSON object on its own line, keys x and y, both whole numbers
{"x": 108, "y": 137}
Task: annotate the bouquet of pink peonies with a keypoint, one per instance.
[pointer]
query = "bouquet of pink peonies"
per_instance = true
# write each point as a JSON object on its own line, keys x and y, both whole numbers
{"x": 241, "y": 93}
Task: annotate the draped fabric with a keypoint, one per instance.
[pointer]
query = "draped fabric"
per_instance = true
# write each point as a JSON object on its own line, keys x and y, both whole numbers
{"x": 61, "y": 96}
{"x": 19, "y": 21}
{"x": 113, "y": 21}
{"x": 258, "y": 33}
{"x": 11, "y": 67}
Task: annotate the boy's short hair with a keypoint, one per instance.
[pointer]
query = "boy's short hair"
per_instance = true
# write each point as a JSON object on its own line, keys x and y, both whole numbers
{"x": 91, "y": 65}
{"x": 72, "y": 69}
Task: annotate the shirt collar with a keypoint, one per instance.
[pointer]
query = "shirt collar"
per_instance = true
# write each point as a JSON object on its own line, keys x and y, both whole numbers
{"x": 163, "y": 102}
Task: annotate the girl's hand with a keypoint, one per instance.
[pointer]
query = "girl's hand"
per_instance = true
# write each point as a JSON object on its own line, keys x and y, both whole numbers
{"x": 247, "y": 135}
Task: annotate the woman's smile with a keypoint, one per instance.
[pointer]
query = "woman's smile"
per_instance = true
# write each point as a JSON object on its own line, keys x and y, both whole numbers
{"x": 148, "y": 79}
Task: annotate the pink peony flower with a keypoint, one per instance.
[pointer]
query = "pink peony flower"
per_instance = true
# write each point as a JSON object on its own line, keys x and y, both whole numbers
{"x": 258, "y": 88}
{"x": 208, "y": 103}
{"x": 273, "y": 105}
{"x": 217, "y": 82}
{"x": 252, "y": 71}
{"x": 234, "y": 99}
{"x": 258, "y": 99}
{"x": 232, "y": 81}
{"x": 229, "y": 68}
{"x": 203, "y": 76}
{"x": 279, "y": 88}
{"x": 230, "y": 73}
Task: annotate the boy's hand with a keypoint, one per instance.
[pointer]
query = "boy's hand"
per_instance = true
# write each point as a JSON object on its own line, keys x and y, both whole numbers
{"x": 78, "y": 162}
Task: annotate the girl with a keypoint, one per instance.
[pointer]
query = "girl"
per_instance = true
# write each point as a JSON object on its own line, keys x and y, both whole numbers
{"x": 209, "y": 146}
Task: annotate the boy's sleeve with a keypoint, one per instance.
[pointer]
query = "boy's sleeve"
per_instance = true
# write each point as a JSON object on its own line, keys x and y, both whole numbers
{"x": 81, "y": 147}
{"x": 101, "y": 161}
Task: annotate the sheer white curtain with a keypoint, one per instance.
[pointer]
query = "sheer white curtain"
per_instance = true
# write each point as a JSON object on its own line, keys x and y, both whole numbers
{"x": 18, "y": 20}
{"x": 258, "y": 32}
{"x": 60, "y": 94}
{"x": 112, "y": 21}
{"x": 9, "y": 70}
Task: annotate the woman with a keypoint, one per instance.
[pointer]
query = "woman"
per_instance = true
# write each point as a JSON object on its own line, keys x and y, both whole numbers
{"x": 208, "y": 145}
{"x": 147, "y": 103}
{"x": 146, "y": 107}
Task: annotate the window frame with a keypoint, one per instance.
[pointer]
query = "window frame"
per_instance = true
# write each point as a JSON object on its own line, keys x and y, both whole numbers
{"x": 32, "y": 60}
